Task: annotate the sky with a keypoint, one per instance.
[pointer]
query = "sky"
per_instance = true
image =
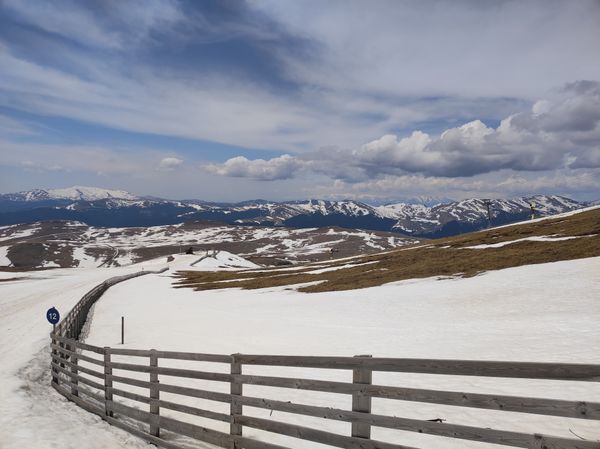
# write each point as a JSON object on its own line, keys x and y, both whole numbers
{"x": 236, "y": 100}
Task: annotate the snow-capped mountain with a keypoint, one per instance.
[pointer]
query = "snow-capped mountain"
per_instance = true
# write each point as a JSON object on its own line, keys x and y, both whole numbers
{"x": 471, "y": 214}
{"x": 76, "y": 193}
{"x": 102, "y": 207}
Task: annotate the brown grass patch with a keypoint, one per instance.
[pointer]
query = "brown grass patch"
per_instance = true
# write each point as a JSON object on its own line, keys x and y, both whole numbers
{"x": 444, "y": 257}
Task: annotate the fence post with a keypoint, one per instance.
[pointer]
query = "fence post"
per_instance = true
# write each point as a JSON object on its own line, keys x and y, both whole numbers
{"x": 108, "y": 395}
{"x": 361, "y": 402}
{"x": 154, "y": 396}
{"x": 74, "y": 371}
{"x": 236, "y": 407}
{"x": 54, "y": 360}
{"x": 61, "y": 355}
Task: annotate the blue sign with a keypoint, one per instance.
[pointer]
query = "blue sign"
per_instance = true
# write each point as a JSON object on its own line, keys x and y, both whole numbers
{"x": 53, "y": 316}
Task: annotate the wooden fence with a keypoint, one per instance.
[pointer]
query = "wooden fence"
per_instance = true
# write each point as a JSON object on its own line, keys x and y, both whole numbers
{"x": 98, "y": 390}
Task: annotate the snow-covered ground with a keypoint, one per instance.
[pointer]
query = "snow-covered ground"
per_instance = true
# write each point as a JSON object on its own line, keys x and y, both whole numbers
{"x": 547, "y": 313}
{"x": 32, "y": 414}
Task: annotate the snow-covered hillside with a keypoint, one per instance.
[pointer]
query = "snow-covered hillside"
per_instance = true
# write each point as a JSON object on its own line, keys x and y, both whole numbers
{"x": 74, "y": 244}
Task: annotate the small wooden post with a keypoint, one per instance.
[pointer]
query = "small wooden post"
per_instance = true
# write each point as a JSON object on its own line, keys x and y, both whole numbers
{"x": 74, "y": 371}
{"x": 360, "y": 402}
{"x": 108, "y": 395}
{"x": 154, "y": 396}
{"x": 54, "y": 359}
{"x": 122, "y": 330}
{"x": 236, "y": 407}
{"x": 61, "y": 355}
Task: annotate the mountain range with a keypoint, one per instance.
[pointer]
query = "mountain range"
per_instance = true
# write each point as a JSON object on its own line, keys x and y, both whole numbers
{"x": 116, "y": 208}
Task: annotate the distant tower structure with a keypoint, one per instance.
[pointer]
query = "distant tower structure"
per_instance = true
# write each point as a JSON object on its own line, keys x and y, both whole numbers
{"x": 532, "y": 208}
{"x": 488, "y": 205}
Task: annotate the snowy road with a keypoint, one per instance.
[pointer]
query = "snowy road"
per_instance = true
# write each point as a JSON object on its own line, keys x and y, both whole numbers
{"x": 32, "y": 414}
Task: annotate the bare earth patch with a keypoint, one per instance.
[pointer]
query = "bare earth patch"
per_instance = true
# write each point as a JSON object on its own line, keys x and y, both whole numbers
{"x": 445, "y": 257}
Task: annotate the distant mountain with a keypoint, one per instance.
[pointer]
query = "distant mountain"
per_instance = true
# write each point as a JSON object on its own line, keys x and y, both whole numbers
{"x": 70, "y": 193}
{"x": 101, "y": 207}
{"x": 468, "y": 215}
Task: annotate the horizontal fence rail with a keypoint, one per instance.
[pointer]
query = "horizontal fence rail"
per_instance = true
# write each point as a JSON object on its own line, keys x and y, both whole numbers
{"x": 98, "y": 389}
{"x": 84, "y": 374}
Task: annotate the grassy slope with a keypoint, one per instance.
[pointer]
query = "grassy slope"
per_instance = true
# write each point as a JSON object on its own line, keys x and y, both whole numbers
{"x": 443, "y": 257}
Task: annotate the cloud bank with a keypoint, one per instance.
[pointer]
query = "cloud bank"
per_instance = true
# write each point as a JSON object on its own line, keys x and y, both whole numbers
{"x": 561, "y": 133}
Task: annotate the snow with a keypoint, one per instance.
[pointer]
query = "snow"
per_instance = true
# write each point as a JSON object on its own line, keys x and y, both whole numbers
{"x": 32, "y": 414}
{"x": 22, "y": 233}
{"x": 551, "y": 217}
{"x": 222, "y": 260}
{"x": 89, "y": 193}
{"x": 539, "y": 238}
{"x": 339, "y": 267}
{"x": 544, "y": 313}
{"x": 85, "y": 261}
{"x": 4, "y": 260}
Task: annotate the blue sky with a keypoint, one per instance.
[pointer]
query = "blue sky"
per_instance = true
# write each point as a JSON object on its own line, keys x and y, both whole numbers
{"x": 233, "y": 100}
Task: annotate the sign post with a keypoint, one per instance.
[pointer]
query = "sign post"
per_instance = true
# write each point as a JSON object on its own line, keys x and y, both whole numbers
{"x": 53, "y": 317}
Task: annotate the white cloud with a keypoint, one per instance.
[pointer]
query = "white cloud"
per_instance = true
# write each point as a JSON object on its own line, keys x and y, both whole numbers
{"x": 506, "y": 183}
{"x": 169, "y": 163}
{"x": 432, "y": 48}
{"x": 562, "y": 134}
{"x": 282, "y": 167}
{"x": 73, "y": 20}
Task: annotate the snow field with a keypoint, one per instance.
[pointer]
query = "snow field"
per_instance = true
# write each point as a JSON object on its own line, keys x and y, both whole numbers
{"x": 32, "y": 414}
{"x": 544, "y": 313}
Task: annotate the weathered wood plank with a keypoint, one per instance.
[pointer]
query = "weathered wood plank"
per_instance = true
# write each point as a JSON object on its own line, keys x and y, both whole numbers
{"x": 107, "y": 383}
{"x": 176, "y": 372}
{"x": 515, "y": 439}
{"x": 100, "y": 412}
{"x": 130, "y": 395}
{"x": 195, "y": 411}
{"x": 360, "y": 401}
{"x": 131, "y": 412}
{"x": 196, "y": 393}
{"x": 130, "y": 352}
{"x": 77, "y": 355}
{"x": 154, "y": 396}
{"x": 197, "y": 432}
{"x": 91, "y": 394}
{"x": 129, "y": 381}
{"x": 549, "y": 442}
{"x": 79, "y": 401}
{"x": 74, "y": 372}
{"x": 552, "y": 407}
{"x": 192, "y": 374}
{"x": 529, "y": 370}
{"x": 78, "y": 344}
{"x": 143, "y": 435}
{"x": 83, "y": 369}
{"x": 318, "y": 436}
{"x": 216, "y": 358}
{"x": 80, "y": 379}
{"x": 235, "y": 407}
